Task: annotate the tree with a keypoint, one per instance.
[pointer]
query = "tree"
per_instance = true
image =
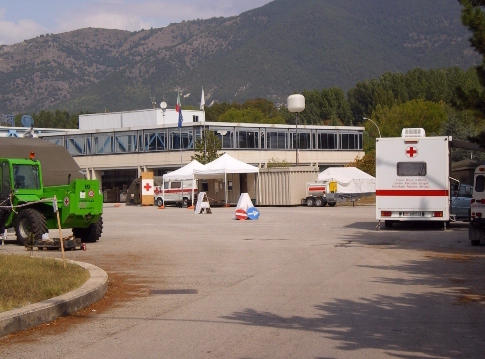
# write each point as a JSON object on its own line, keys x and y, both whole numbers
{"x": 366, "y": 163}
{"x": 416, "y": 113}
{"x": 473, "y": 17}
{"x": 207, "y": 147}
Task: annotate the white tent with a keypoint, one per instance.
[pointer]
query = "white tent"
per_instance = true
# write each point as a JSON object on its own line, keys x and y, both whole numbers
{"x": 220, "y": 167}
{"x": 183, "y": 173}
{"x": 349, "y": 179}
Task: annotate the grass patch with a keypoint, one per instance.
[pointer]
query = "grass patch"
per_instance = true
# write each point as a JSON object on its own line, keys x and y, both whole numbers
{"x": 25, "y": 280}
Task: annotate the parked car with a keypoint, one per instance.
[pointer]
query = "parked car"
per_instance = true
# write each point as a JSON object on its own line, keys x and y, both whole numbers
{"x": 460, "y": 202}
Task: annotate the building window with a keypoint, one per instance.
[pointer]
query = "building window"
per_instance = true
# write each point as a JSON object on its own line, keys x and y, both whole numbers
{"x": 326, "y": 141}
{"x": 155, "y": 141}
{"x": 76, "y": 145}
{"x": 351, "y": 141}
{"x": 303, "y": 138}
{"x": 247, "y": 139}
{"x": 195, "y": 118}
{"x": 226, "y": 136}
{"x": 103, "y": 143}
{"x": 276, "y": 140}
{"x": 182, "y": 139}
{"x": 126, "y": 142}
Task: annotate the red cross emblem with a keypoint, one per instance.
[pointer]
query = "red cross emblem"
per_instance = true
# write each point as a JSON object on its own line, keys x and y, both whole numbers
{"x": 411, "y": 151}
{"x": 147, "y": 186}
{"x": 66, "y": 201}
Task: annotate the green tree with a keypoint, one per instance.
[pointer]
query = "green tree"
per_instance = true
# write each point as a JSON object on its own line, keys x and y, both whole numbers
{"x": 417, "y": 113}
{"x": 366, "y": 163}
{"x": 207, "y": 147}
{"x": 473, "y": 17}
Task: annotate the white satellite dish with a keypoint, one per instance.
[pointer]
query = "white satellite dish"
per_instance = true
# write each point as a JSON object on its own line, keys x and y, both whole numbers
{"x": 163, "y": 105}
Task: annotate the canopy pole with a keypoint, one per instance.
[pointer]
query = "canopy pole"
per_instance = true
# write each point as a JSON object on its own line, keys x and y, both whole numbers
{"x": 193, "y": 183}
{"x": 225, "y": 186}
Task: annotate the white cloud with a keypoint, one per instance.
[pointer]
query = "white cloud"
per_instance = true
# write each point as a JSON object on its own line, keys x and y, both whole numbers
{"x": 11, "y": 33}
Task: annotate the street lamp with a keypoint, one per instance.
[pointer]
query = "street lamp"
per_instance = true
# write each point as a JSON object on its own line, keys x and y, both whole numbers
{"x": 296, "y": 103}
{"x": 368, "y": 119}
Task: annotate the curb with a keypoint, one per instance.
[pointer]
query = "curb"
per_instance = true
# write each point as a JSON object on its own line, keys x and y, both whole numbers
{"x": 48, "y": 310}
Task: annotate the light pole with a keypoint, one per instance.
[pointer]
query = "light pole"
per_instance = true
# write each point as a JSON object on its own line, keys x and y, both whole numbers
{"x": 368, "y": 119}
{"x": 296, "y": 103}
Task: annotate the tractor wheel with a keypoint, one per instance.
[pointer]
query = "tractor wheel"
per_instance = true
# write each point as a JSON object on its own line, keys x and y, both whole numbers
{"x": 310, "y": 202}
{"x": 319, "y": 202}
{"x": 90, "y": 234}
{"x": 30, "y": 222}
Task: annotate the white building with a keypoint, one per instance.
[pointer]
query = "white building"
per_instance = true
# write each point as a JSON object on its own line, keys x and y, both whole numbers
{"x": 117, "y": 147}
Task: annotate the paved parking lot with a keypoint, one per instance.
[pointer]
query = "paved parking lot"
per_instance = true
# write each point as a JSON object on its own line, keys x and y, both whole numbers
{"x": 296, "y": 283}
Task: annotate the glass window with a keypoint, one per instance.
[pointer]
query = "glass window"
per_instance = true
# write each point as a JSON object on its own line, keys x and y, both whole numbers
{"x": 102, "y": 143}
{"x": 351, "y": 141}
{"x": 480, "y": 183}
{"x": 155, "y": 141}
{"x": 247, "y": 139}
{"x": 411, "y": 168}
{"x": 226, "y": 135}
{"x": 327, "y": 141}
{"x": 26, "y": 176}
{"x": 5, "y": 185}
{"x": 304, "y": 142}
{"x": 76, "y": 145}
{"x": 126, "y": 142}
{"x": 176, "y": 185}
{"x": 276, "y": 139}
{"x": 182, "y": 139}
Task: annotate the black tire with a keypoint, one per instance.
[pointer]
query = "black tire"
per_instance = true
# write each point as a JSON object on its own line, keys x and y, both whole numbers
{"x": 185, "y": 203}
{"x": 30, "y": 222}
{"x": 319, "y": 202}
{"x": 310, "y": 202}
{"x": 332, "y": 204}
{"x": 475, "y": 242}
{"x": 159, "y": 201}
{"x": 90, "y": 234}
{"x": 388, "y": 224}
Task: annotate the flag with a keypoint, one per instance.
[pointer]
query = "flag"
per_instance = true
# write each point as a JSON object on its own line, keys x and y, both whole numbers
{"x": 179, "y": 110}
{"x": 202, "y": 100}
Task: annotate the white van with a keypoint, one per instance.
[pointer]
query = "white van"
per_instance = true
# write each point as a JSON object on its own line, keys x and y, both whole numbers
{"x": 175, "y": 192}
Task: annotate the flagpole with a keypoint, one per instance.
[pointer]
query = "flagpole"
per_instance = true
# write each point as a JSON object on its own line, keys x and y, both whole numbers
{"x": 202, "y": 104}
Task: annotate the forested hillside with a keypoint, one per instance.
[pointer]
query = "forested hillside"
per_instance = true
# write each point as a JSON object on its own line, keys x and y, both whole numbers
{"x": 271, "y": 52}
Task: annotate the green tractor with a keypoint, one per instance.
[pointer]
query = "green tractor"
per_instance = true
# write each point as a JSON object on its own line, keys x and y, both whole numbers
{"x": 31, "y": 208}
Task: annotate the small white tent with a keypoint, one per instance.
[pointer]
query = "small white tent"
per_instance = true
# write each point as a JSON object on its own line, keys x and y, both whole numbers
{"x": 183, "y": 173}
{"x": 349, "y": 179}
{"x": 220, "y": 167}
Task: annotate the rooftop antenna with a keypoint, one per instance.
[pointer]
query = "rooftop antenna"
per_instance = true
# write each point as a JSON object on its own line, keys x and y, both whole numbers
{"x": 154, "y": 103}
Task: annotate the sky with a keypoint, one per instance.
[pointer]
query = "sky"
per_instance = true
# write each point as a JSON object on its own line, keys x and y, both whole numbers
{"x": 21, "y": 20}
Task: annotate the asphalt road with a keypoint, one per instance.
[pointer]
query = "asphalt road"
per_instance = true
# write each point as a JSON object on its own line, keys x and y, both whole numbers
{"x": 296, "y": 283}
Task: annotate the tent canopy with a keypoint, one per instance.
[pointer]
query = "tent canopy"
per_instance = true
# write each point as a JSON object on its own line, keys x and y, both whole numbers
{"x": 349, "y": 179}
{"x": 183, "y": 173}
{"x": 223, "y": 165}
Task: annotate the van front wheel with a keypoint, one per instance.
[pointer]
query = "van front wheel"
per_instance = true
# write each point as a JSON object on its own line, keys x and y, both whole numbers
{"x": 159, "y": 202}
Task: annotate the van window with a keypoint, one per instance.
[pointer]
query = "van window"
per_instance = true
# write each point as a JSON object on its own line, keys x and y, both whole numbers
{"x": 411, "y": 168}
{"x": 480, "y": 183}
{"x": 176, "y": 185}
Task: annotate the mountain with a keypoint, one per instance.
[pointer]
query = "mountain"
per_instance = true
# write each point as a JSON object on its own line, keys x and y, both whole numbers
{"x": 270, "y": 52}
